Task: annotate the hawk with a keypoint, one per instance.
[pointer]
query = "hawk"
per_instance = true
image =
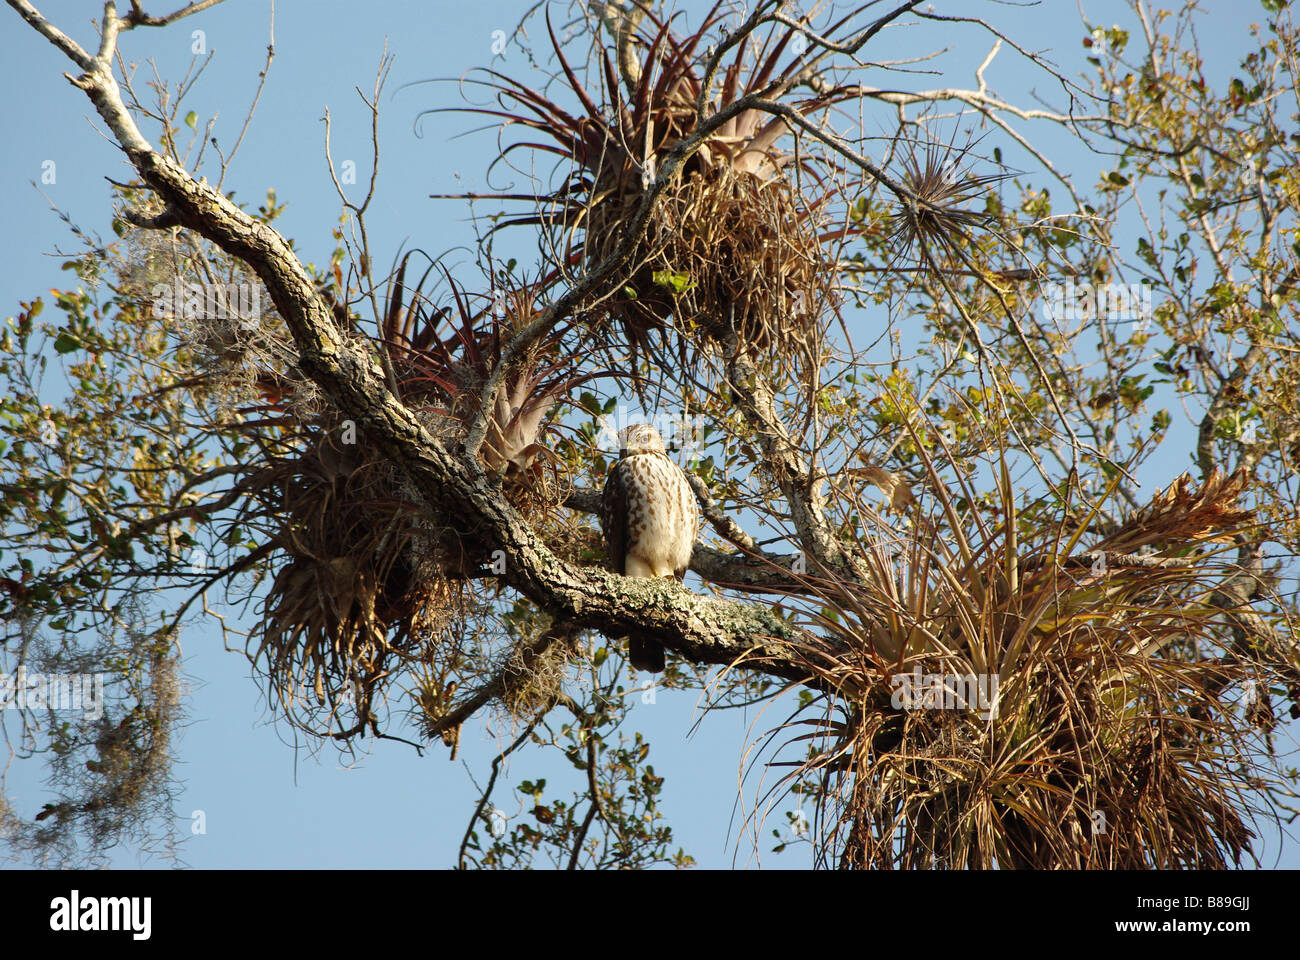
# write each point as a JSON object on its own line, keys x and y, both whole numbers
{"x": 649, "y": 517}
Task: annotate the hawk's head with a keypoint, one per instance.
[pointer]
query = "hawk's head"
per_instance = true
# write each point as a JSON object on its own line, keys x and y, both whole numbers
{"x": 640, "y": 438}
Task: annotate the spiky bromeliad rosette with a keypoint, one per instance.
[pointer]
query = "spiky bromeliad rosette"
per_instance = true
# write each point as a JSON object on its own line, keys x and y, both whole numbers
{"x": 1009, "y": 689}
{"x": 733, "y": 245}
{"x": 373, "y": 581}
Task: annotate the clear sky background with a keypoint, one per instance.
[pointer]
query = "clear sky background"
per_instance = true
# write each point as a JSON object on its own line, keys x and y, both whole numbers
{"x": 266, "y": 803}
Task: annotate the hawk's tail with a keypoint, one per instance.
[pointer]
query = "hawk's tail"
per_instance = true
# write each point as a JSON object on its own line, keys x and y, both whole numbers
{"x": 646, "y": 655}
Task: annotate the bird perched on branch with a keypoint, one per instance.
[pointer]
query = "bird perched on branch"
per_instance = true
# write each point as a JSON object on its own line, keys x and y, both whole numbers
{"x": 649, "y": 518}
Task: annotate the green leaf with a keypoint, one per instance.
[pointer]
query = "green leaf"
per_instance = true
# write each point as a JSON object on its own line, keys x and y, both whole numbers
{"x": 66, "y": 343}
{"x": 192, "y": 120}
{"x": 677, "y": 282}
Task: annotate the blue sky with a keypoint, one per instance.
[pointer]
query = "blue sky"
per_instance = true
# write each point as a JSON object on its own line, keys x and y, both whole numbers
{"x": 267, "y": 805}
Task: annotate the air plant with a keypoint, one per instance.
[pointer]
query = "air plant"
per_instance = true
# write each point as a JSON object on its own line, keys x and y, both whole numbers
{"x": 1107, "y": 741}
{"x": 444, "y": 375}
{"x": 353, "y": 599}
{"x": 374, "y": 576}
{"x": 936, "y": 222}
{"x": 732, "y": 249}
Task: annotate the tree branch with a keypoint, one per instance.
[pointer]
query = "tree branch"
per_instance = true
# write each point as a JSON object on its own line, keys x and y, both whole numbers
{"x": 701, "y": 629}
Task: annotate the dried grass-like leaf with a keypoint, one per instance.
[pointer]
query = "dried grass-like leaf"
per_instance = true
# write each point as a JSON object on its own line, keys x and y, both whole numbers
{"x": 1181, "y": 514}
